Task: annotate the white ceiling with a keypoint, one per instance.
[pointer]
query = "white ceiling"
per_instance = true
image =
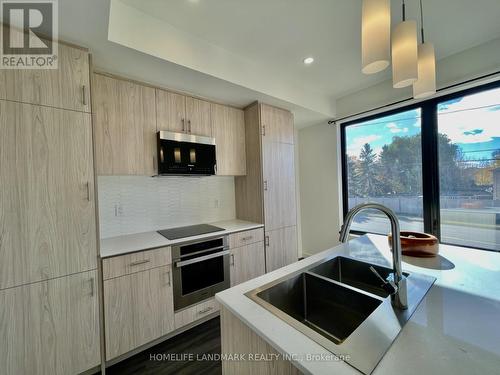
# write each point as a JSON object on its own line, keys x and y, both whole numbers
{"x": 275, "y": 35}
{"x": 280, "y": 33}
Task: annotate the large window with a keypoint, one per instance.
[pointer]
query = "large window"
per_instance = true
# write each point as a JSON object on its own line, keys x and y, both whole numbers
{"x": 437, "y": 165}
{"x": 384, "y": 165}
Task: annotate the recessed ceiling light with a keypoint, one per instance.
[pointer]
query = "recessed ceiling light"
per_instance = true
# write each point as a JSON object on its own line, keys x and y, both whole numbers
{"x": 308, "y": 60}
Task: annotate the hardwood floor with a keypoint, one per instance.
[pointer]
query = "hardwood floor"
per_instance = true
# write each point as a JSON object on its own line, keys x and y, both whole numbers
{"x": 198, "y": 341}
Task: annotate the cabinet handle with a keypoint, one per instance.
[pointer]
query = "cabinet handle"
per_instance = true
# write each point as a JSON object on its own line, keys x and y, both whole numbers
{"x": 84, "y": 95}
{"x": 265, "y": 185}
{"x": 267, "y": 240}
{"x": 189, "y": 126}
{"x": 247, "y": 238}
{"x": 205, "y": 310}
{"x": 183, "y": 125}
{"x": 264, "y": 130}
{"x": 232, "y": 259}
{"x": 168, "y": 279}
{"x": 139, "y": 262}
{"x": 92, "y": 287}
{"x": 88, "y": 191}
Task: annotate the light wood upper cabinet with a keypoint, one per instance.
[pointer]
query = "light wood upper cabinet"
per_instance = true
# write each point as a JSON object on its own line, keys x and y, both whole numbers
{"x": 279, "y": 185}
{"x": 247, "y": 262}
{"x": 171, "y": 111}
{"x": 47, "y": 210}
{"x": 198, "y": 117}
{"x": 51, "y": 327}
{"x": 66, "y": 87}
{"x": 138, "y": 308}
{"x": 277, "y": 124}
{"x": 281, "y": 248}
{"x": 183, "y": 114}
{"x": 125, "y": 127}
{"x": 228, "y": 126}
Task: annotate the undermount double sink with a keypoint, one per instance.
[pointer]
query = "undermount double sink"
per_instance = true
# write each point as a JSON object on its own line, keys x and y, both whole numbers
{"x": 340, "y": 303}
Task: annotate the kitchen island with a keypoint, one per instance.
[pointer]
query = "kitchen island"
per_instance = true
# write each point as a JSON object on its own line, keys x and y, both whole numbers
{"x": 454, "y": 330}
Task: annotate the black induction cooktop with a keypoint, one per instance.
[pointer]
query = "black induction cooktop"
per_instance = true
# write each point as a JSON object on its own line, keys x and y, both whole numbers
{"x": 189, "y": 231}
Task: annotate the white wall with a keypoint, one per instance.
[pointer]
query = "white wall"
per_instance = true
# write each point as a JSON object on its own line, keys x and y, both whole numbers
{"x": 134, "y": 204}
{"x": 319, "y": 192}
{"x": 457, "y": 68}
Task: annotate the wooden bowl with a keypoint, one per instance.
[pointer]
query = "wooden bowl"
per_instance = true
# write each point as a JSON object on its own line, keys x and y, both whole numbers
{"x": 418, "y": 244}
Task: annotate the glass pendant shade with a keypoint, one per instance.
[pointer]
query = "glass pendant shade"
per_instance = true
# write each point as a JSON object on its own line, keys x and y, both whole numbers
{"x": 404, "y": 54}
{"x": 426, "y": 83}
{"x": 375, "y": 35}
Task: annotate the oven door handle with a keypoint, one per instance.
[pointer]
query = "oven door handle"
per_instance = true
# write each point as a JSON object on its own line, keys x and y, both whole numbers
{"x": 201, "y": 259}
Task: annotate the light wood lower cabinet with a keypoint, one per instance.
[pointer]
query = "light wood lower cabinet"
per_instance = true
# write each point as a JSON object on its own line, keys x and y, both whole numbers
{"x": 247, "y": 262}
{"x": 50, "y": 327}
{"x": 138, "y": 308}
{"x": 281, "y": 248}
{"x": 193, "y": 313}
{"x": 47, "y": 205}
{"x": 238, "y": 339}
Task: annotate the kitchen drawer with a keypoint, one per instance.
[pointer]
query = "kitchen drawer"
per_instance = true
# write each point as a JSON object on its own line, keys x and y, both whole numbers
{"x": 246, "y": 237}
{"x": 193, "y": 313}
{"x": 135, "y": 262}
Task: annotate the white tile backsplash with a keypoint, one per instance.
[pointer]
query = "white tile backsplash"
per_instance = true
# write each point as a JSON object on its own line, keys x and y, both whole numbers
{"x": 134, "y": 204}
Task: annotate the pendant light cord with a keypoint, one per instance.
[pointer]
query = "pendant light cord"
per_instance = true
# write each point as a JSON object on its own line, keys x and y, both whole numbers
{"x": 422, "y": 22}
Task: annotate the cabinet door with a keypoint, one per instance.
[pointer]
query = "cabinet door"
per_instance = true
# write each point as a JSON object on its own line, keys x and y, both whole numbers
{"x": 281, "y": 248}
{"x": 138, "y": 308}
{"x": 228, "y": 126}
{"x": 277, "y": 124}
{"x": 125, "y": 127}
{"x": 47, "y": 210}
{"x": 51, "y": 327}
{"x": 171, "y": 111}
{"x": 247, "y": 262}
{"x": 65, "y": 87}
{"x": 198, "y": 117}
{"x": 279, "y": 185}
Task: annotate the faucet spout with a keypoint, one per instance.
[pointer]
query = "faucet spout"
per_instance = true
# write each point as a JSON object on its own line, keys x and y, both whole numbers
{"x": 399, "y": 298}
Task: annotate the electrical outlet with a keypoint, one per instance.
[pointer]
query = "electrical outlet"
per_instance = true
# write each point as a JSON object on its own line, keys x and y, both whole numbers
{"x": 118, "y": 210}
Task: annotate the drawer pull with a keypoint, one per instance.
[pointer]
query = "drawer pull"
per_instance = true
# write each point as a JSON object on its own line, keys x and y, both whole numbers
{"x": 205, "y": 310}
{"x": 248, "y": 238}
{"x": 139, "y": 262}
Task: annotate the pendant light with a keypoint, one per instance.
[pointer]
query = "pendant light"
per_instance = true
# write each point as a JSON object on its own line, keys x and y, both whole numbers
{"x": 404, "y": 53}
{"x": 375, "y": 35}
{"x": 426, "y": 83}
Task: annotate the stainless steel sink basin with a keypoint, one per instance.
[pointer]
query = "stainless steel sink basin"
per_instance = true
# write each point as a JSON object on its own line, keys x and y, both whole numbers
{"x": 339, "y": 303}
{"x": 355, "y": 273}
{"x": 330, "y": 309}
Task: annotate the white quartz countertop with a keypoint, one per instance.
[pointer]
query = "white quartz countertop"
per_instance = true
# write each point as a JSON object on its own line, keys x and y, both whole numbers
{"x": 454, "y": 330}
{"x": 130, "y": 243}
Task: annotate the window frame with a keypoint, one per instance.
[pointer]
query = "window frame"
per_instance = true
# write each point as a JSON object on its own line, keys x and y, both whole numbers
{"x": 430, "y": 160}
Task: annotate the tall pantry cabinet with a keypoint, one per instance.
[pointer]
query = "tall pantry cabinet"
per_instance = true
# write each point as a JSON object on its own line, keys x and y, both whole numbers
{"x": 49, "y": 316}
{"x": 267, "y": 193}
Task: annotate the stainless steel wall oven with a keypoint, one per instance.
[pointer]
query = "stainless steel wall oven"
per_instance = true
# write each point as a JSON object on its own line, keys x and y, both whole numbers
{"x": 201, "y": 269}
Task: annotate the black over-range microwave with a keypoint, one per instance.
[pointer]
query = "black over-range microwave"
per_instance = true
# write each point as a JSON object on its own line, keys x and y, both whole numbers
{"x": 185, "y": 154}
